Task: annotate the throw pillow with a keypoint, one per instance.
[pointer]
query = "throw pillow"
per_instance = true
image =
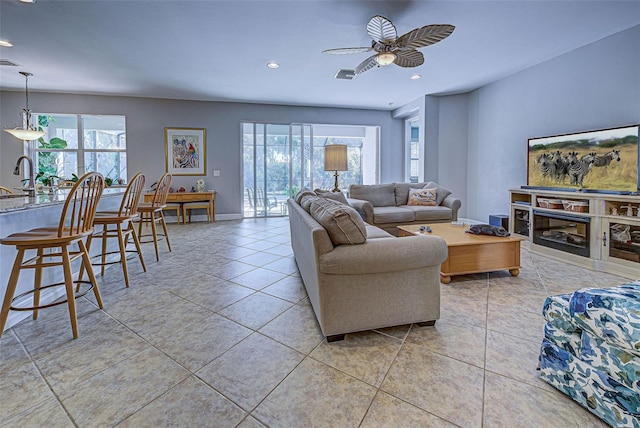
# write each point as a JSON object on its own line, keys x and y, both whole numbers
{"x": 336, "y": 196}
{"x": 306, "y": 200}
{"x": 441, "y": 192}
{"x": 425, "y": 197}
{"x": 343, "y": 223}
{"x": 302, "y": 193}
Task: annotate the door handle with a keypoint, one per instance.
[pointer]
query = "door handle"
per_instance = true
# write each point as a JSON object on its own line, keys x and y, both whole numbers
{"x": 604, "y": 239}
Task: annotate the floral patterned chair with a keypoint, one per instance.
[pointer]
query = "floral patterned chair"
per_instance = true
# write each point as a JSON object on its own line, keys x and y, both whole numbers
{"x": 591, "y": 350}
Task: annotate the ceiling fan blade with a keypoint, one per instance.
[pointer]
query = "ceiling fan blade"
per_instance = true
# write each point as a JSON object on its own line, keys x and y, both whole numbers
{"x": 342, "y": 51}
{"x": 408, "y": 58}
{"x": 425, "y": 36}
{"x": 381, "y": 29}
{"x": 367, "y": 64}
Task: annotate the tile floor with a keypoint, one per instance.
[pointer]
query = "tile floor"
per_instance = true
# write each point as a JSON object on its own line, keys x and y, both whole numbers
{"x": 220, "y": 333}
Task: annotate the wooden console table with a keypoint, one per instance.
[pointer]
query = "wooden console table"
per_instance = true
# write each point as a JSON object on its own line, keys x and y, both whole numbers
{"x": 183, "y": 197}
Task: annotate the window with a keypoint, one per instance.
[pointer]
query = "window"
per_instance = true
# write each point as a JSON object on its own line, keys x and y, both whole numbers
{"x": 76, "y": 144}
{"x": 414, "y": 161}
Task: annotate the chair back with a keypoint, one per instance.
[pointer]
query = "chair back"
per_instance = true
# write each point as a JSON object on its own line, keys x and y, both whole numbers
{"x": 131, "y": 198}
{"x": 162, "y": 191}
{"x": 80, "y": 206}
{"x": 5, "y": 191}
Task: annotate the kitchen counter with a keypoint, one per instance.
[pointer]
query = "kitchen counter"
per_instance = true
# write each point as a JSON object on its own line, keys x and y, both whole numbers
{"x": 10, "y": 203}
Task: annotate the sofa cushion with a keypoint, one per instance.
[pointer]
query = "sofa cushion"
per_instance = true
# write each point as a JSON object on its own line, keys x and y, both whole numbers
{"x": 302, "y": 193}
{"x": 401, "y": 191}
{"x": 426, "y": 213}
{"x": 380, "y": 195}
{"x": 422, "y": 197}
{"x": 392, "y": 215}
{"x": 343, "y": 223}
{"x": 441, "y": 192}
{"x": 336, "y": 196}
{"x": 374, "y": 232}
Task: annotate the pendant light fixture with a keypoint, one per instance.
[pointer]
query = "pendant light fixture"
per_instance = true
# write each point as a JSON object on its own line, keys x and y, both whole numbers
{"x": 26, "y": 132}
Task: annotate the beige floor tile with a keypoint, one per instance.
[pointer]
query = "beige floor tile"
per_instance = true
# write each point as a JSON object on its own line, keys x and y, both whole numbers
{"x": 229, "y": 270}
{"x": 256, "y": 310}
{"x": 236, "y": 253}
{"x": 260, "y": 245}
{"x": 250, "y": 422}
{"x": 286, "y": 265}
{"x": 129, "y": 302}
{"x": 449, "y": 389}
{"x": 462, "y": 343}
{"x": 398, "y": 331}
{"x": 90, "y": 354}
{"x": 515, "y": 358}
{"x": 365, "y": 355}
{"x": 189, "y": 284}
{"x": 513, "y": 403}
{"x": 280, "y": 250}
{"x": 523, "y": 298}
{"x": 296, "y": 328}
{"x": 516, "y": 322}
{"x": 260, "y": 258}
{"x": 12, "y": 353}
{"x": 201, "y": 343}
{"x": 20, "y": 389}
{"x": 49, "y": 413}
{"x": 164, "y": 321}
{"x": 388, "y": 411}
{"x": 250, "y": 370}
{"x": 289, "y": 288}
{"x": 463, "y": 311}
{"x": 122, "y": 389}
{"x": 316, "y": 395}
{"x": 191, "y": 403}
{"x": 476, "y": 289}
{"x": 219, "y": 296}
{"x": 259, "y": 278}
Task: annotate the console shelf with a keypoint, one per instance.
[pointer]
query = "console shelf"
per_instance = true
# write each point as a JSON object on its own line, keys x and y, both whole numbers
{"x": 605, "y": 227}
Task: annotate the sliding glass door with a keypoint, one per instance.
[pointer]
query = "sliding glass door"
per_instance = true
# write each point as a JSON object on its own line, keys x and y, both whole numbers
{"x": 279, "y": 160}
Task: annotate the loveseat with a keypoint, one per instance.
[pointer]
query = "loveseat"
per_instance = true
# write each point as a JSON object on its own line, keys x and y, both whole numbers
{"x": 388, "y": 205}
{"x": 359, "y": 277}
{"x": 591, "y": 350}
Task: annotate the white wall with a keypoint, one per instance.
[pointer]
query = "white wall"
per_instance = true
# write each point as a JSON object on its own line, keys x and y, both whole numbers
{"x": 594, "y": 87}
{"x": 147, "y": 118}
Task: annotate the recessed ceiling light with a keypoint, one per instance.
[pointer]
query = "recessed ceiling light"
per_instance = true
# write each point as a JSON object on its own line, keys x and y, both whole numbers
{"x": 416, "y": 77}
{"x": 5, "y": 43}
{"x": 28, "y": 1}
{"x": 273, "y": 64}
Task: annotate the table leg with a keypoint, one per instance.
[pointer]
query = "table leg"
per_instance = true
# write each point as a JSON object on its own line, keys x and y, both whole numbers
{"x": 445, "y": 279}
{"x": 514, "y": 272}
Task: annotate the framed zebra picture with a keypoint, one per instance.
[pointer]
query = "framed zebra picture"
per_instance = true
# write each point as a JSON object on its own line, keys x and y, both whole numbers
{"x": 602, "y": 160}
{"x": 186, "y": 151}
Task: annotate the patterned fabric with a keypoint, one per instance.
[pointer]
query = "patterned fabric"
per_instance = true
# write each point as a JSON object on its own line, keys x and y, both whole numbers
{"x": 569, "y": 341}
{"x": 591, "y": 350}
{"x": 556, "y": 312}
{"x": 423, "y": 197}
{"x": 619, "y": 364}
{"x": 616, "y": 404}
{"x": 610, "y": 313}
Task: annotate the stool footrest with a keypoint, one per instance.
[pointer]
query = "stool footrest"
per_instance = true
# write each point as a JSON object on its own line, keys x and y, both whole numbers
{"x": 56, "y": 303}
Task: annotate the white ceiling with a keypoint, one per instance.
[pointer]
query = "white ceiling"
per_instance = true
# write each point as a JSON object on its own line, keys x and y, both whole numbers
{"x": 218, "y": 50}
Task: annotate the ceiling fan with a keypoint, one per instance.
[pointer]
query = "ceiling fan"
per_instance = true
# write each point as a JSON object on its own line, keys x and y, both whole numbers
{"x": 391, "y": 49}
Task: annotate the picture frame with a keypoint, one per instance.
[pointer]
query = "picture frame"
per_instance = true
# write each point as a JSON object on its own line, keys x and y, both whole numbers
{"x": 186, "y": 151}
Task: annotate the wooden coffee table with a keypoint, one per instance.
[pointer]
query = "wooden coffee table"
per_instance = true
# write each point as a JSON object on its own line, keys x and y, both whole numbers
{"x": 470, "y": 253}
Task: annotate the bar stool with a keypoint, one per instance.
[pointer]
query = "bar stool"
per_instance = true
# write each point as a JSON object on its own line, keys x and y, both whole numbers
{"x": 5, "y": 191}
{"x": 125, "y": 215}
{"x": 76, "y": 224}
{"x": 188, "y": 206}
{"x": 148, "y": 212}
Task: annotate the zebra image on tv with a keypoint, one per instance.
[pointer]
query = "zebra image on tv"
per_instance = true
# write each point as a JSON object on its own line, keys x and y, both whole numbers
{"x": 595, "y": 160}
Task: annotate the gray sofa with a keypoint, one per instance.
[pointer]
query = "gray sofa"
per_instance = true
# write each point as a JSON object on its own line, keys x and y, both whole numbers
{"x": 385, "y": 205}
{"x": 383, "y": 282}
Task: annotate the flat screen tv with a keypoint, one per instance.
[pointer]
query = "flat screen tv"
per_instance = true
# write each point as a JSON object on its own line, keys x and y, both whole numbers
{"x": 602, "y": 160}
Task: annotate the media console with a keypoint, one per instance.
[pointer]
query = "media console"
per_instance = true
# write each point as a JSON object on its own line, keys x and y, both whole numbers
{"x": 599, "y": 231}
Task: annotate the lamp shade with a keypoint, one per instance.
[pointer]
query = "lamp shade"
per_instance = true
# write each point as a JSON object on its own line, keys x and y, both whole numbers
{"x": 335, "y": 157}
{"x": 25, "y": 134}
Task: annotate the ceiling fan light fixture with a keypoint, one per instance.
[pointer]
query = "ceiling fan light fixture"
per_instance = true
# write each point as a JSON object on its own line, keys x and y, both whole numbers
{"x": 385, "y": 58}
{"x": 5, "y": 43}
{"x": 416, "y": 77}
{"x": 273, "y": 65}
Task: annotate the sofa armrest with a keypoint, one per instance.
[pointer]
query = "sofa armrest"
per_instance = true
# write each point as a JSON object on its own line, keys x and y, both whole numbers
{"x": 364, "y": 208}
{"x": 385, "y": 255}
{"x": 453, "y": 204}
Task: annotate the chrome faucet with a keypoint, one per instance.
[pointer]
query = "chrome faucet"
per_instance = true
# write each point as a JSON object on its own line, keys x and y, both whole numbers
{"x": 32, "y": 185}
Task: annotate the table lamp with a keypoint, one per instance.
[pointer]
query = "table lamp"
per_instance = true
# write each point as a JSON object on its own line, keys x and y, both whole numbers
{"x": 335, "y": 159}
